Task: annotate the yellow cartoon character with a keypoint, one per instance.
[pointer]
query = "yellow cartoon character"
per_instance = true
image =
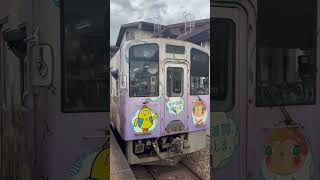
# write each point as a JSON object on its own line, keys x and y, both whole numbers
{"x": 100, "y": 169}
{"x": 145, "y": 119}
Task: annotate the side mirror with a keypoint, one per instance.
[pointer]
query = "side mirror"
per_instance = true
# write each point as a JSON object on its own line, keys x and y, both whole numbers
{"x": 42, "y": 65}
{"x": 114, "y": 73}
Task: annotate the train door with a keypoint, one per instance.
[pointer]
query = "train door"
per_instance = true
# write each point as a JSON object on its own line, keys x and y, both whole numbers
{"x": 283, "y": 116}
{"x": 176, "y": 93}
{"x": 228, "y": 90}
{"x": 77, "y": 122}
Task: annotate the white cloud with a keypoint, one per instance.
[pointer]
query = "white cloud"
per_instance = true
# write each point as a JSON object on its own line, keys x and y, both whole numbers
{"x": 169, "y": 12}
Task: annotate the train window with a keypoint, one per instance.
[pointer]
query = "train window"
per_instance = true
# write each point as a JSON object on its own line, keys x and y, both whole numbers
{"x": 175, "y": 49}
{"x": 199, "y": 81}
{"x": 144, "y": 70}
{"x": 84, "y": 56}
{"x": 174, "y": 82}
{"x": 286, "y": 55}
{"x": 223, "y": 65}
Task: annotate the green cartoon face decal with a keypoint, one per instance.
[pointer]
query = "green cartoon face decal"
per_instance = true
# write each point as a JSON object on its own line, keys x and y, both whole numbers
{"x": 175, "y": 105}
{"x": 225, "y": 141}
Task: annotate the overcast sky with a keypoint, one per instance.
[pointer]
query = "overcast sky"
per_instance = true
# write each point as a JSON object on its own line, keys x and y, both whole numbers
{"x": 169, "y": 12}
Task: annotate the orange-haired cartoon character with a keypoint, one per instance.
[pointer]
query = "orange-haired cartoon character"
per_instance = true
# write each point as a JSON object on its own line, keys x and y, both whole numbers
{"x": 287, "y": 155}
{"x": 199, "y": 113}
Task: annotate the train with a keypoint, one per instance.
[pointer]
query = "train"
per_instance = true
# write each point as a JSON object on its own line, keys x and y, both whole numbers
{"x": 54, "y": 90}
{"x": 265, "y": 90}
{"x": 160, "y": 99}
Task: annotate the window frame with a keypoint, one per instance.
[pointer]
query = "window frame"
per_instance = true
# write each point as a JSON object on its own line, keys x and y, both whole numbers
{"x": 229, "y": 101}
{"x": 158, "y": 47}
{"x": 132, "y": 33}
{"x": 313, "y": 59}
{"x": 174, "y": 48}
{"x": 258, "y": 88}
{"x": 190, "y": 79}
{"x": 182, "y": 81}
{"x": 63, "y": 60}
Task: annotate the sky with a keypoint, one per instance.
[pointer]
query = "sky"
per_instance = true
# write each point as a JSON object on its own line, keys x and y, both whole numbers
{"x": 166, "y": 11}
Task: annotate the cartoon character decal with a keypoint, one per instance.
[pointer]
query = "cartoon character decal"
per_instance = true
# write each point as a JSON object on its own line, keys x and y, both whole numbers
{"x": 287, "y": 156}
{"x": 199, "y": 113}
{"x": 94, "y": 165}
{"x": 175, "y": 105}
{"x": 225, "y": 140}
{"x": 144, "y": 120}
{"x": 101, "y": 165}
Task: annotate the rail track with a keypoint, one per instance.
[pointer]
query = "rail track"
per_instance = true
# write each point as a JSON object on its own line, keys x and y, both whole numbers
{"x": 177, "y": 172}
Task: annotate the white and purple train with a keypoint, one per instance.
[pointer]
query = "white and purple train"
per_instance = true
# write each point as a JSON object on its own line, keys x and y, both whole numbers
{"x": 160, "y": 99}
{"x": 266, "y": 103}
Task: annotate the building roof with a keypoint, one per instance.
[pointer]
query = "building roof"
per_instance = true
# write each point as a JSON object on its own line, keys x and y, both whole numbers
{"x": 200, "y": 33}
{"x": 197, "y": 23}
{"x": 147, "y": 26}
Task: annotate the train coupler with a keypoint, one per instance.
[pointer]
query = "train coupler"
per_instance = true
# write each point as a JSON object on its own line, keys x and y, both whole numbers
{"x": 157, "y": 151}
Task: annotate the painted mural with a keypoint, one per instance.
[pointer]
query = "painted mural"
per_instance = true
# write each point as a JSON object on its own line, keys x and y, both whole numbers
{"x": 144, "y": 120}
{"x": 225, "y": 141}
{"x": 94, "y": 165}
{"x": 175, "y": 105}
{"x": 287, "y": 156}
{"x": 199, "y": 113}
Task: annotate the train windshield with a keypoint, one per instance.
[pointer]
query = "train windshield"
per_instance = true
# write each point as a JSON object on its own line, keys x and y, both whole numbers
{"x": 223, "y": 64}
{"x": 199, "y": 81}
{"x": 84, "y": 56}
{"x": 144, "y": 70}
{"x": 286, "y": 53}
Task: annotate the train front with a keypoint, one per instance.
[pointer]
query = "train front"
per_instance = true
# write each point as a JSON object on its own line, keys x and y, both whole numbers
{"x": 164, "y": 100}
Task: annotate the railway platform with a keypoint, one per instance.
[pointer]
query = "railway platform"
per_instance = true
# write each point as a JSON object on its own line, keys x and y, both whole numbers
{"x": 120, "y": 168}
